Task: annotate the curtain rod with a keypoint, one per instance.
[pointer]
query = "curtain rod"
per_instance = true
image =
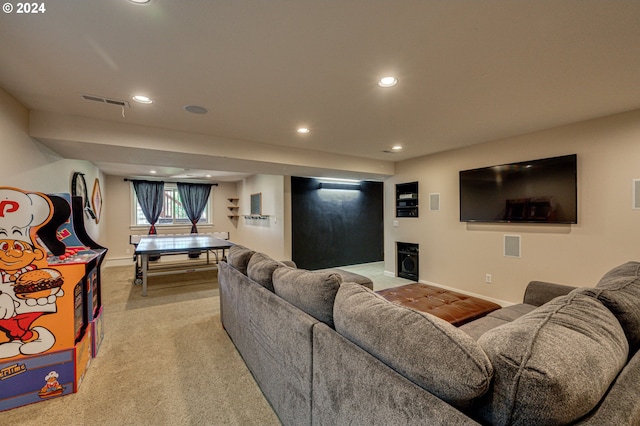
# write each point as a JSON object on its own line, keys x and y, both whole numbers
{"x": 168, "y": 181}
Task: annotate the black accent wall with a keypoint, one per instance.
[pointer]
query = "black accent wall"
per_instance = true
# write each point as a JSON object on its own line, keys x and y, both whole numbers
{"x": 334, "y": 227}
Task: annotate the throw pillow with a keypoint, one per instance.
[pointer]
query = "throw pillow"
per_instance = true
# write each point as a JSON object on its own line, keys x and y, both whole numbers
{"x": 260, "y": 269}
{"x": 425, "y": 349}
{"x": 619, "y": 290}
{"x": 239, "y": 257}
{"x": 554, "y": 364}
{"x": 313, "y": 292}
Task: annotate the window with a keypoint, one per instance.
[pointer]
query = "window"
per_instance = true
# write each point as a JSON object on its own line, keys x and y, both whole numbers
{"x": 172, "y": 210}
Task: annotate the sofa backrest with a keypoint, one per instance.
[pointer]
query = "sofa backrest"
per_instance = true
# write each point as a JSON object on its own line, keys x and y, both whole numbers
{"x": 619, "y": 291}
{"x": 425, "y": 349}
{"x": 554, "y": 364}
{"x": 260, "y": 269}
{"x": 620, "y": 407}
{"x": 239, "y": 257}
{"x": 313, "y": 292}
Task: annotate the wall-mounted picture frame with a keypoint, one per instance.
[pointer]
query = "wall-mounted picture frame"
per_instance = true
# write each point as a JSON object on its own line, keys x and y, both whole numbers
{"x": 256, "y": 204}
{"x": 96, "y": 200}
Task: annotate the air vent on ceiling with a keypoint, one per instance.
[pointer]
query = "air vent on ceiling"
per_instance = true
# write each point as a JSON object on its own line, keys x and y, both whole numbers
{"x": 109, "y": 101}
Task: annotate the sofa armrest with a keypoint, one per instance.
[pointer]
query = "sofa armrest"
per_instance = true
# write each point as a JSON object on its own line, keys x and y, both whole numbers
{"x": 539, "y": 292}
{"x": 351, "y": 277}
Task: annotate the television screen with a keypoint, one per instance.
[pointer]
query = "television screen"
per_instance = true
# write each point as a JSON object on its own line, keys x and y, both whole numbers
{"x": 539, "y": 191}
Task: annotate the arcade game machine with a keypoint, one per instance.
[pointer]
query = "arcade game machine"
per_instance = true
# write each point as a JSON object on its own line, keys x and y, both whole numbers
{"x": 79, "y": 248}
{"x": 94, "y": 274}
{"x": 45, "y": 297}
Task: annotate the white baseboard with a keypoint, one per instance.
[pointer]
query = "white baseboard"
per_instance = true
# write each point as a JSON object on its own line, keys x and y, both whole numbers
{"x": 468, "y": 293}
{"x": 118, "y": 261}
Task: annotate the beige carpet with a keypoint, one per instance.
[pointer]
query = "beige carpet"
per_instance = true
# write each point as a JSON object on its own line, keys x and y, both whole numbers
{"x": 165, "y": 360}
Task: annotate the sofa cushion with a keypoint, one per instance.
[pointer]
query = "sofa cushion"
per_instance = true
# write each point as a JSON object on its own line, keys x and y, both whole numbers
{"x": 260, "y": 269}
{"x": 540, "y": 292}
{"x": 425, "y": 349}
{"x": 554, "y": 364}
{"x": 619, "y": 290}
{"x": 313, "y": 292}
{"x": 351, "y": 277}
{"x": 512, "y": 312}
{"x": 477, "y": 328}
{"x": 239, "y": 257}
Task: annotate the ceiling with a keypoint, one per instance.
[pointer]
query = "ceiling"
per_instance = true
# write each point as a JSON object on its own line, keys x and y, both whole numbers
{"x": 468, "y": 71}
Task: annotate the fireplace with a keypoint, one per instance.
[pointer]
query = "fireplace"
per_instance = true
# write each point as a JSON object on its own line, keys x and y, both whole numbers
{"x": 407, "y": 260}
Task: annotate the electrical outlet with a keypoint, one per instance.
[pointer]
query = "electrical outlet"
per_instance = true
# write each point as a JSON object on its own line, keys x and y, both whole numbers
{"x": 487, "y": 278}
{"x": 395, "y": 223}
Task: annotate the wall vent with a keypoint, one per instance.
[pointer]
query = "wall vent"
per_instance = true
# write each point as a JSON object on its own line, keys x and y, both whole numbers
{"x": 108, "y": 101}
{"x": 512, "y": 246}
{"x": 434, "y": 202}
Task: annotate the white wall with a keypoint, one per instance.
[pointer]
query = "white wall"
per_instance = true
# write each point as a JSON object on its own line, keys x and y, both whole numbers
{"x": 31, "y": 166}
{"x": 458, "y": 255}
{"x": 264, "y": 235}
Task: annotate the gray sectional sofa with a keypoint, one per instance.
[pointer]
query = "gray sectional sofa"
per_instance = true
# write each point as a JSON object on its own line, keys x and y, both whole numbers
{"x": 326, "y": 351}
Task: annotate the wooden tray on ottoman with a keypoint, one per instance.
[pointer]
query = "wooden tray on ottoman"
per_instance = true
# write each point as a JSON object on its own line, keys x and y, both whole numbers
{"x": 456, "y": 308}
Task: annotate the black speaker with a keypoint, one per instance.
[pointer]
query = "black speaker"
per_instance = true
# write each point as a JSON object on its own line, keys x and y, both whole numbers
{"x": 408, "y": 261}
{"x": 409, "y": 265}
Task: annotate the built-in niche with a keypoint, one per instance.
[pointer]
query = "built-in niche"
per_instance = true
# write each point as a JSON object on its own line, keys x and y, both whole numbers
{"x": 407, "y": 255}
{"x": 407, "y": 199}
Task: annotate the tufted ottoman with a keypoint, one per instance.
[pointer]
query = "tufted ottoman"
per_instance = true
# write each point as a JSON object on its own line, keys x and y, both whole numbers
{"x": 456, "y": 308}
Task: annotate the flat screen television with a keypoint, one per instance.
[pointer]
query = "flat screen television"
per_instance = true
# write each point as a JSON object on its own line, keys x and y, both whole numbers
{"x": 538, "y": 191}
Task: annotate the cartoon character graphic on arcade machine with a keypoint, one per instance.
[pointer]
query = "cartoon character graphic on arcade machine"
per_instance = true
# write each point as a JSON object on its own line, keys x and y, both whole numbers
{"x": 28, "y": 288}
{"x": 52, "y": 387}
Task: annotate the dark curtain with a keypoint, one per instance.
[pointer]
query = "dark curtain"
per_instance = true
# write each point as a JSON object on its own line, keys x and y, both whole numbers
{"x": 150, "y": 197}
{"x": 194, "y": 198}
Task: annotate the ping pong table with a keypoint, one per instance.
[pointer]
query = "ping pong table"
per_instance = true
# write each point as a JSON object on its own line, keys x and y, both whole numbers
{"x": 158, "y": 245}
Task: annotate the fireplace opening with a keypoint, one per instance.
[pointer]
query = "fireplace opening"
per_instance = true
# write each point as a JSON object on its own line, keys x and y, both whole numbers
{"x": 407, "y": 260}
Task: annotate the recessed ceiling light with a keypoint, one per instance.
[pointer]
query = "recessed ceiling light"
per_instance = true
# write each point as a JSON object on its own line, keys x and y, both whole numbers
{"x": 140, "y": 1}
{"x": 387, "y": 81}
{"x": 153, "y": 172}
{"x": 142, "y": 99}
{"x": 303, "y": 130}
{"x": 397, "y": 148}
{"x": 195, "y": 109}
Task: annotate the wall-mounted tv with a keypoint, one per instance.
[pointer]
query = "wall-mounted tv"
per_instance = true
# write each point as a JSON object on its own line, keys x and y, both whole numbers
{"x": 538, "y": 191}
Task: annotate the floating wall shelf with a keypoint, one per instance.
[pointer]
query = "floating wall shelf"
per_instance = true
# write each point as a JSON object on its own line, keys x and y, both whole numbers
{"x": 233, "y": 208}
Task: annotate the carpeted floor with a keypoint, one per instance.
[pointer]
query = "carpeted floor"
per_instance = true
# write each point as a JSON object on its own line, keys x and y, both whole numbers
{"x": 165, "y": 360}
